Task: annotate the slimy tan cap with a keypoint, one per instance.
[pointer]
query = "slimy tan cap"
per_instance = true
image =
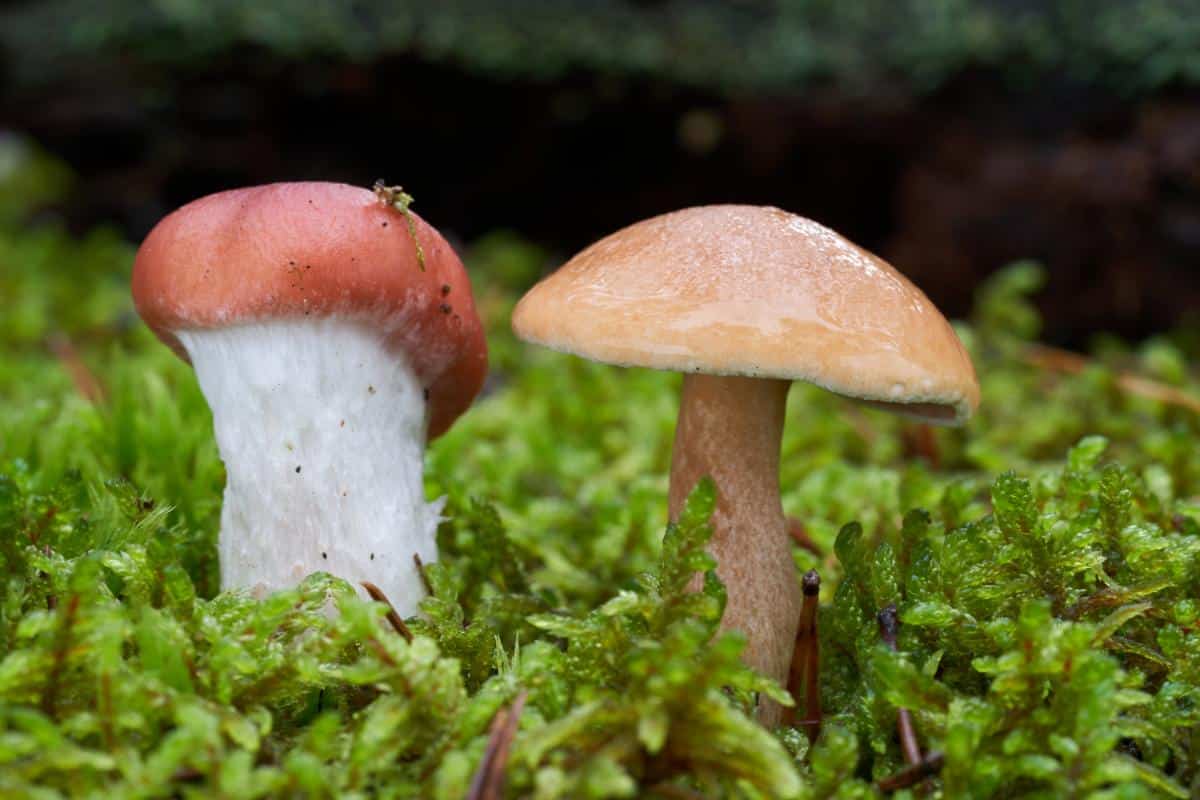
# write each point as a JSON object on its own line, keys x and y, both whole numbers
{"x": 759, "y": 292}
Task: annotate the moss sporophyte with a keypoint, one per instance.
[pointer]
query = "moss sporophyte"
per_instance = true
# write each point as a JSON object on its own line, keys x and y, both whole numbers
{"x": 395, "y": 197}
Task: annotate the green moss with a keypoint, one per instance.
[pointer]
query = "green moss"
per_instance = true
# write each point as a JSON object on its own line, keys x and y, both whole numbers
{"x": 1045, "y": 572}
{"x": 400, "y": 200}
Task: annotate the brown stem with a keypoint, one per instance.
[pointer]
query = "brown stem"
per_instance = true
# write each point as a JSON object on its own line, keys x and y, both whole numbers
{"x": 889, "y": 624}
{"x": 729, "y": 429}
{"x": 424, "y": 577}
{"x": 673, "y": 791}
{"x": 920, "y": 441}
{"x": 806, "y": 659}
{"x": 910, "y": 776}
{"x": 1058, "y": 360}
{"x": 811, "y": 584}
{"x": 104, "y": 707}
{"x": 63, "y": 643}
{"x": 397, "y": 623}
{"x": 800, "y": 536}
{"x": 488, "y": 783}
{"x": 86, "y": 382}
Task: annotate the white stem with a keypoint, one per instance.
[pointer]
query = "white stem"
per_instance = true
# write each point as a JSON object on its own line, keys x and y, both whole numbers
{"x": 322, "y": 431}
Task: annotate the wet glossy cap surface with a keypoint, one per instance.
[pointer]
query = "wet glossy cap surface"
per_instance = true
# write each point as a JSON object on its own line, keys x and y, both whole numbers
{"x": 294, "y": 250}
{"x": 754, "y": 291}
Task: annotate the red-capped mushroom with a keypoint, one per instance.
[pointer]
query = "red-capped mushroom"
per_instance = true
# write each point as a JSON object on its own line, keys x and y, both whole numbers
{"x": 330, "y": 334}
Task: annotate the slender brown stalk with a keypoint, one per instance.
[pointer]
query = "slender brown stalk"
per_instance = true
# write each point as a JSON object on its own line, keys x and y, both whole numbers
{"x": 800, "y": 536}
{"x": 920, "y": 441}
{"x": 889, "y": 624}
{"x": 421, "y": 571}
{"x": 488, "y": 783}
{"x": 69, "y": 614}
{"x": 1052, "y": 358}
{"x": 804, "y": 675}
{"x": 86, "y": 382}
{"x": 673, "y": 791}
{"x": 378, "y": 596}
{"x": 911, "y": 776}
{"x": 811, "y": 584}
{"x": 104, "y": 708}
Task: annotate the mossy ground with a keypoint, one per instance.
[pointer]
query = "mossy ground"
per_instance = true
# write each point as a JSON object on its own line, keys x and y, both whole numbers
{"x": 1043, "y": 561}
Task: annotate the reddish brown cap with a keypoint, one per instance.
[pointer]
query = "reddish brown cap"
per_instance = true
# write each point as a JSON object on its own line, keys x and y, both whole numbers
{"x": 290, "y": 250}
{"x": 755, "y": 291}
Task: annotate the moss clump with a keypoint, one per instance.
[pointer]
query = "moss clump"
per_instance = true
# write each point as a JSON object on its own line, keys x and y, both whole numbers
{"x": 1045, "y": 572}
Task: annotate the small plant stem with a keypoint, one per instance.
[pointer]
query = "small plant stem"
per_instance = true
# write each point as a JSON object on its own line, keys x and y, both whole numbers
{"x": 378, "y": 596}
{"x": 811, "y": 584}
{"x": 421, "y": 571}
{"x": 911, "y": 776}
{"x": 85, "y": 381}
{"x": 488, "y": 783}
{"x": 800, "y": 536}
{"x": 908, "y": 737}
{"x": 889, "y": 624}
{"x": 105, "y": 708}
{"x": 673, "y": 791}
{"x": 51, "y": 598}
{"x": 920, "y": 441}
{"x": 1057, "y": 360}
{"x": 395, "y": 197}
{"x": 50, "y": 695}
{"x": 804, "y": 674}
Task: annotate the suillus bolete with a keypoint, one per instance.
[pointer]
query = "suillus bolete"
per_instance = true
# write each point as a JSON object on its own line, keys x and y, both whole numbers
{"x": 329, "y": 346}
{"x": 743, "y": 300}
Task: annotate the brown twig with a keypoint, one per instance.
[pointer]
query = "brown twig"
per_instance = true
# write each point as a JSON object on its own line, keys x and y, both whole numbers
{"x": 378, "y": 596}
{"x": 187, "y": 775}
{"x": 51, "y": 598}
{"x": 920, "y": 441}
{"x": 488, "y": 783}
{"x": 673, "y": 791}
{"x": 50, "y": 695}
{"x": 889, "y": 624}
{"x": 910, "y": 776}
{"x": 806, "y": 660}
{"x": 104, "y": 708}
{"x": 1052, "y": 358}
{"x": 86, "y": 382}
{"x": 800, "y": 536}
{"x": 421, "y": 571}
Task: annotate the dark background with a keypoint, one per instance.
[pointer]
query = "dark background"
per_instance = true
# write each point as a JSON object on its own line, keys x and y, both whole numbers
{"x": 950, "y": 136}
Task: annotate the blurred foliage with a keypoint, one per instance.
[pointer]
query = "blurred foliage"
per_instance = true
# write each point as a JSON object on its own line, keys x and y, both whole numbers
{"x": 1045, "y": 562}
{"x": 723, "y": 44}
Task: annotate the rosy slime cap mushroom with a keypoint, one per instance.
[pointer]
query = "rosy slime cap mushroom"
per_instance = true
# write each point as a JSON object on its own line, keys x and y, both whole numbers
{"x": 328, "y": 347}
{"x": 744, "y": 300}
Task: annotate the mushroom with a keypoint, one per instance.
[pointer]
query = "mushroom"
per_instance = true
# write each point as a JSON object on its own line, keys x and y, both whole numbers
{"x": 330, "y": 335}
{"x": 743, "y": 300}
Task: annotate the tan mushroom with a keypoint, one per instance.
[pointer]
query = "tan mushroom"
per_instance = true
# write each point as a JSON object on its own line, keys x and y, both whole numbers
{"x": 743, "y": 300}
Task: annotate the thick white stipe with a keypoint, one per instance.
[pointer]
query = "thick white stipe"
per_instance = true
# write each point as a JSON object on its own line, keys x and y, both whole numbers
{"x": 322, "y": 432}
